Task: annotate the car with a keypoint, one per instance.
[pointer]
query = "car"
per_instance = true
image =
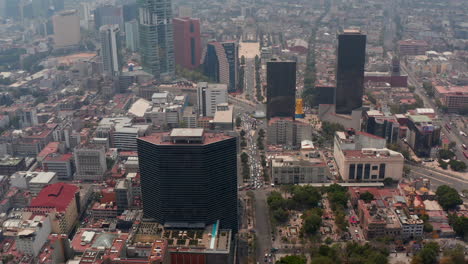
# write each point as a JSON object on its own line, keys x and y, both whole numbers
{"x": 356, "y": 231}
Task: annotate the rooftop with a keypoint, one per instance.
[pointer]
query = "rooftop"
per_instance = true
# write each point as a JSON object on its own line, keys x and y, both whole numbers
{"x": 420, "y": 118}
{"x": 57, "y": 195}
{"x": 191, "y": 136}
{"x": 187, "y": 132}
{"x": 43, "y": 177}
{"x": 372, "y": 153}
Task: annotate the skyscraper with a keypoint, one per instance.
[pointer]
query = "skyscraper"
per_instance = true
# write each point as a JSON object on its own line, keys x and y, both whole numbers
{"x": 350, "y": 71}
{"x": 281, "y": 88}
{"x": 209, "y": 96}
{"x": 108, "y": 15}
{"x": 132, "y": 41}
{"x": 156, "y": 38}
{"x": 187, "y": 43}
{"x": 111, "y": 45}
{"x": 220, "y": 63}
{"x": 66, "y": 29}
{"x": 189, "y": 178}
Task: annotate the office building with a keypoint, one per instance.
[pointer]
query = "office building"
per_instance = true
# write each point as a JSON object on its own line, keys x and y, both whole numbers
{"x": 108, "y": 15}
{"x": 66, "y": 29}
{"x": 423, "y": 135}
{"x": 412, "y": 47}
{"x": 60, "y": 164}
{"x": 350, "y": 71}
{"x": 156, "y": 38}
{"x": 385, "y": 126}
{"x": 123, "y": 195}
{"x": 281, "y": 89}
{"x": 132, "y": 38}
{"x": 455, "y": 98}
{"x": 297, "y": 169}
{"x": 189, "y": 178}
{"x": 187, "y": 42}
{"x": 32, "y": 181}
{"x": 362, "y": 157}
{"x": 62, "y": 200}
{"x": 325, "y": 95}
{"x": 288, "y": 132}
{"x": 224, "y": 117}
{"x": 10, "y": 165}
{"x": 111, "y": 46}
{"x": 32, "y": 231}
{"x": 209, "y": 96}
{"x": 90, "y": 162}
{"x": 220, "y": 63}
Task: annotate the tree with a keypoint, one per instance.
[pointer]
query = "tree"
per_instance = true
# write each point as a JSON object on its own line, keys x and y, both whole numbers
{"x": 428, "y": 254}
{"x": 367, "y": 197}
{"x": 305, "y": 197}
{"x": 242, "y": 133}
{"x": 244, "y": 157}
{"x": 275, "y": 201}
{"x": 442, "y": 164}
{"x": 239, "y": 122}
{"x": 388, "y": 181}
{"x": 329, "y": 129}
{"x": 428, "y": 228}
{"x": 457, "y": 165}
{"x": 280, "y": 215}
{"x": 243, "y": 144}
{"x": 459, "y": 225}
{"x": 452, "y": 145}
{"x": 454, "y": 255}
{"x": 448, "y": 197}
{"x": 261, "y": 132}
{"x": 446, "y": 154}
{"x": 294, "y": 259}
{"x": 311, "y": 224}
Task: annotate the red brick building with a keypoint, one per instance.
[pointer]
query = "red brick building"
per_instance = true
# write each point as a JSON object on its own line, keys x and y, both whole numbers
{"x": 187, "y": 43}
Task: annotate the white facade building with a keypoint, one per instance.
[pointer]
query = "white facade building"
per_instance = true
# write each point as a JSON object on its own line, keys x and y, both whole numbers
{"x": 209, "y": 96}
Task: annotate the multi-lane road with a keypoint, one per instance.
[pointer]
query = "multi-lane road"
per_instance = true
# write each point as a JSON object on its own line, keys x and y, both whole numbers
{"x": 453, "y": 135}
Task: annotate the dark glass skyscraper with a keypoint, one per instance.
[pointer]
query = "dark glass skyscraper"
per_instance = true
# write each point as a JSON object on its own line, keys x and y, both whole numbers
{"x": 220, "y": 63}
{"x": 350, "y": 71}
{"x": 156, "y": 37}
{"x": 189, "y": 178}
{"x": 281, "y": 89}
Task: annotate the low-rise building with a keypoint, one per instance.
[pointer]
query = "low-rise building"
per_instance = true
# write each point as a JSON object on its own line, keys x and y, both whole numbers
{"x": 104, "y": 210}
{"x": 10, "y": 165}
{"x": 60, "y": 164}
{"x": 90, "y": 162}
{"x": 30, "y": 231}
{"x": 32, "y": 181}
{"x": 363, "y": 157}
{"x": 423, "y": 135}
{"x": 293, "y": 169}
{"x": 288, "y": 132}
{"x": 61, "y": 201}
{"x": 455, "y": 98}
{"x": 377, "y": 220}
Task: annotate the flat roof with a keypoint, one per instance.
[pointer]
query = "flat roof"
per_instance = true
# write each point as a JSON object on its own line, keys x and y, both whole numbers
{"x": 164, "y": 138}
{"x": 187, "y": 132}
{"x": 224, "y": 116}
{"x": 420, "y": 118}
{"x": 43, "y": 177}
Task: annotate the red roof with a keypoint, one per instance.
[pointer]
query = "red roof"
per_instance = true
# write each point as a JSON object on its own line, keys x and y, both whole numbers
{"x": 369, "y": 135}
{"x": 52, "y": 147}
{"x": 57, "y": 195}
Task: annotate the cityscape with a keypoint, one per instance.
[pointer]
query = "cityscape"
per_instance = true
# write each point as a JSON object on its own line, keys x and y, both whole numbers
{"x": 233, "y": 132}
